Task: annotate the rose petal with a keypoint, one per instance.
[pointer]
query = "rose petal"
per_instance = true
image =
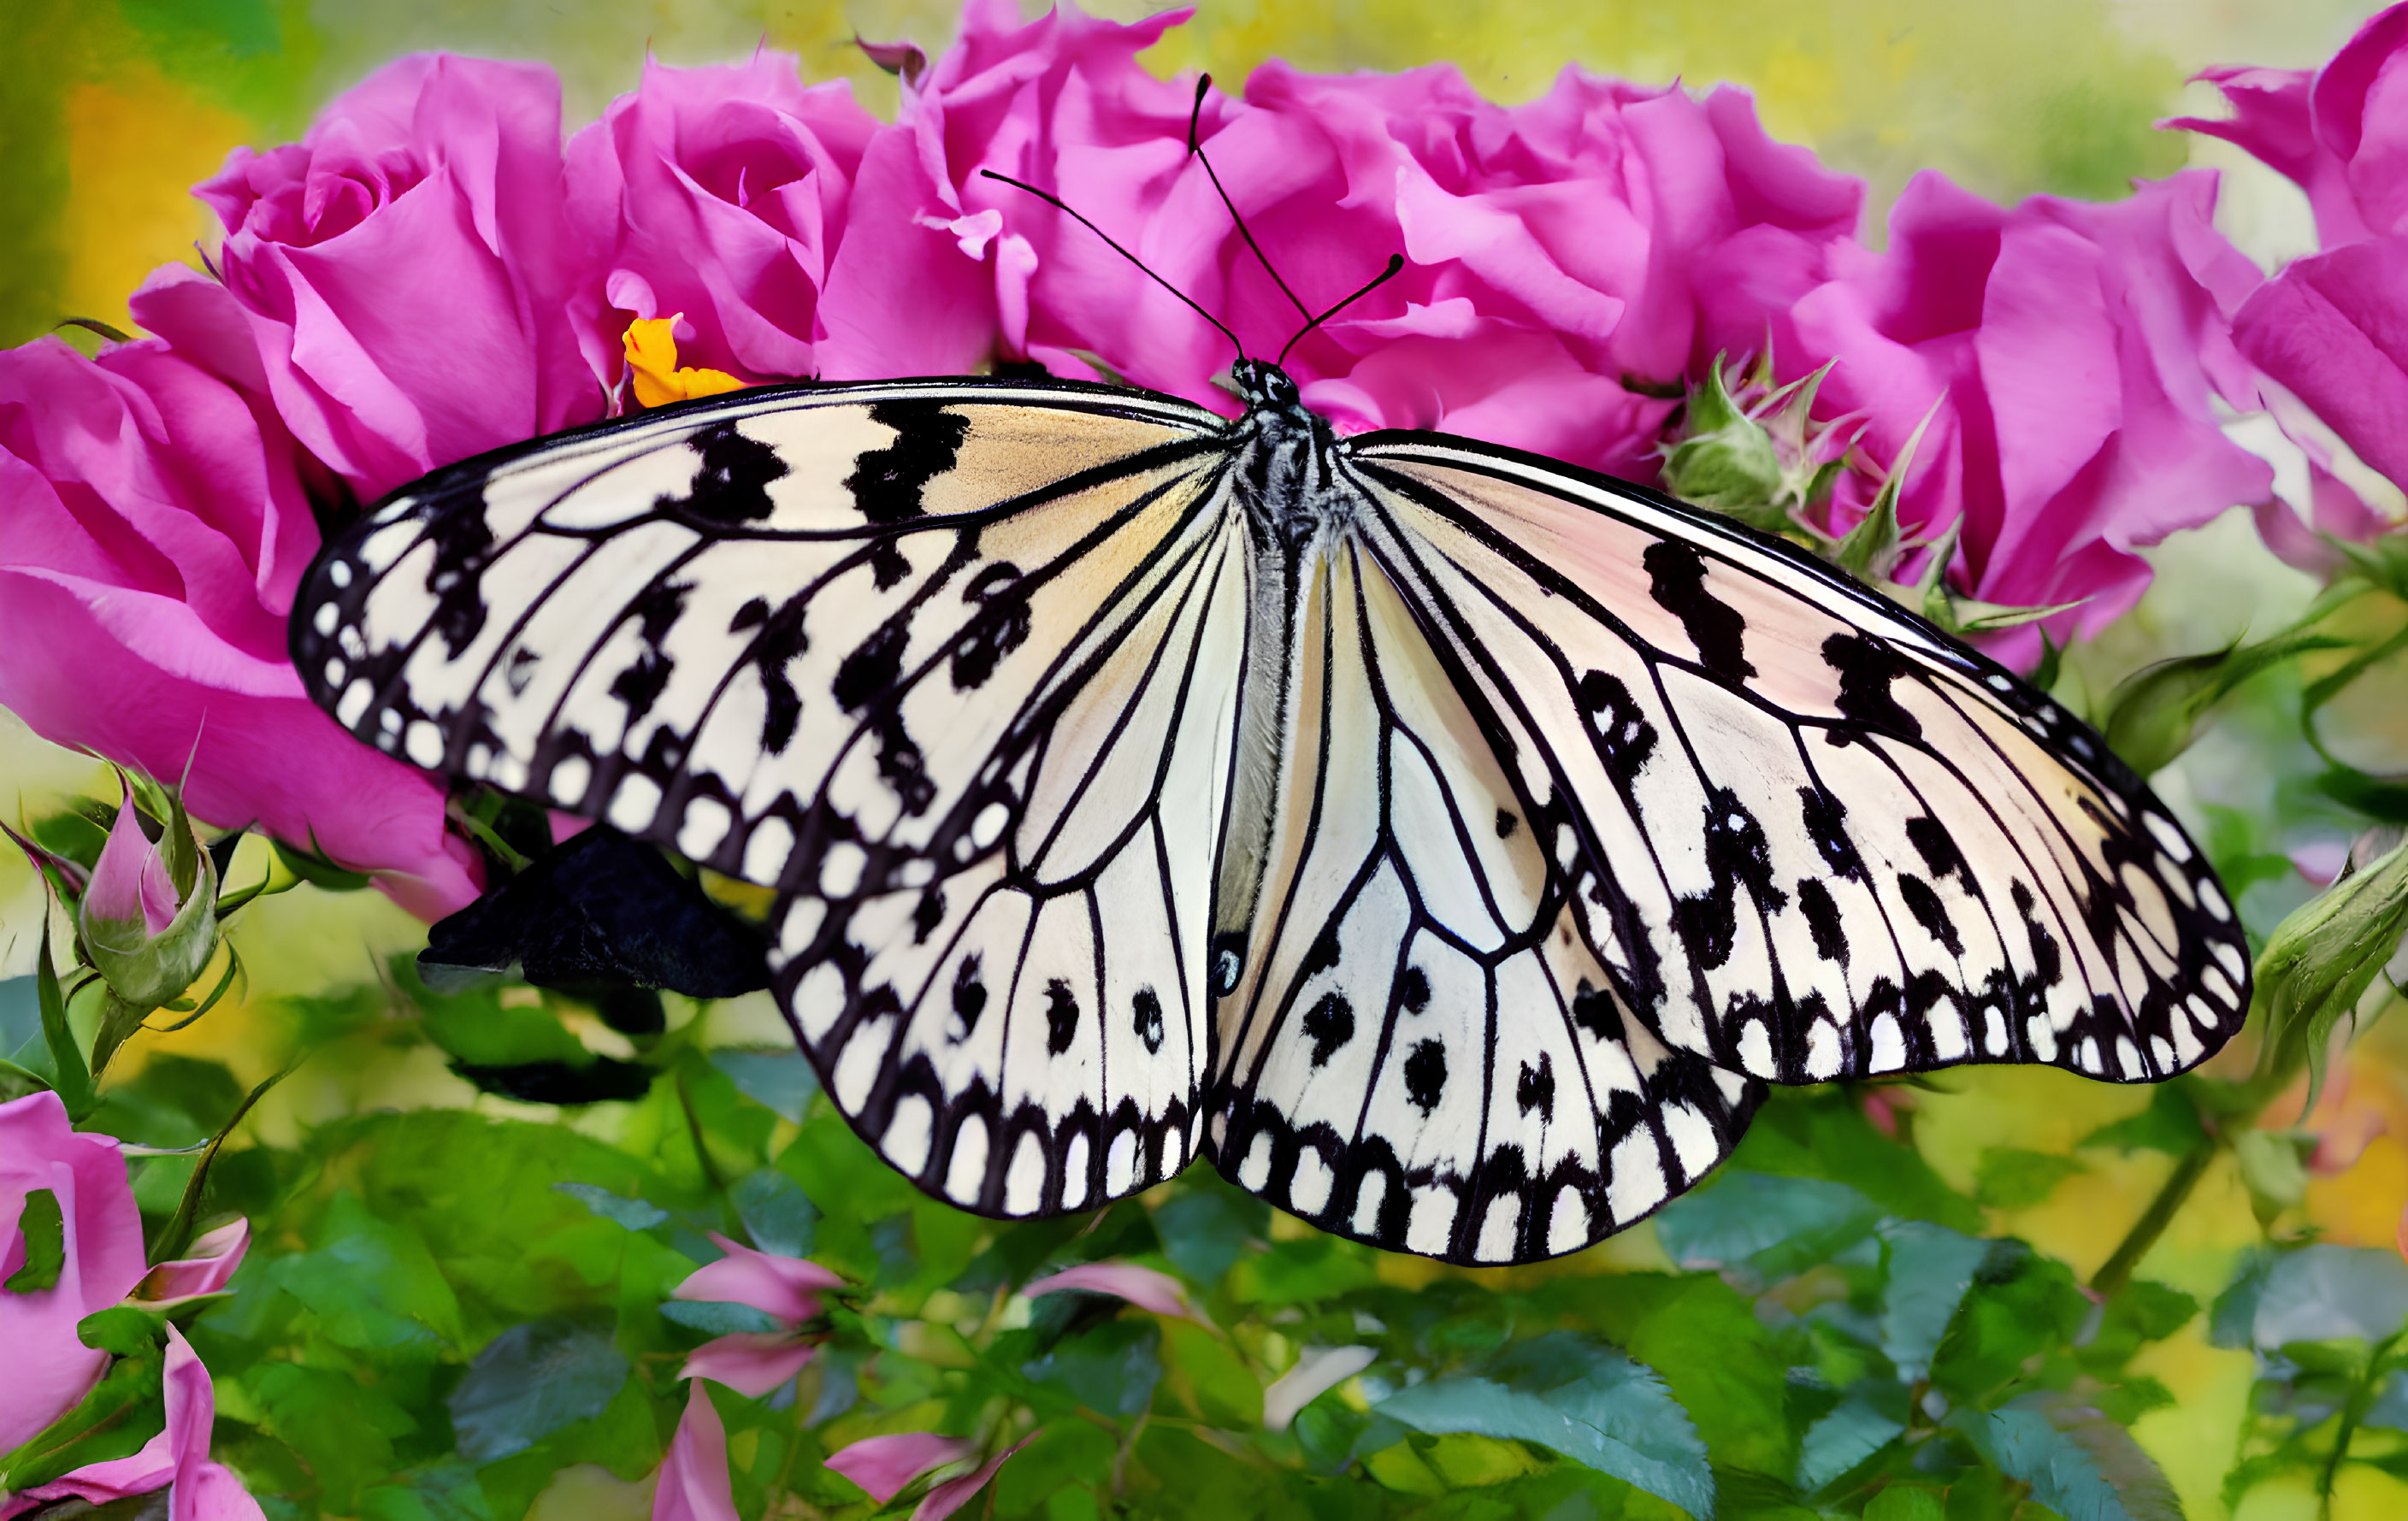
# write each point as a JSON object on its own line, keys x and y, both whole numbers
{"x": 1141, "y": 1286}
{"x": 953, "y": 1494}
{"x": 786, "y": 1287}
{"x": 50, "y": 1368}
{"x": 752, "y": 1363}
{"x": 884, "y": 1465}
{"x": 214, "y": 1258}
{"x": 694, "y": 1483}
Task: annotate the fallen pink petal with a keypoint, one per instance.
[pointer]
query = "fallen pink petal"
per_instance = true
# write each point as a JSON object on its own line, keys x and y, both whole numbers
{"x": 750, "y": 1362}
{"x": 953, "y": 1494}
{"x": 884, "y": 1465}
{"x": 692, "y": 1483}
{"x": 786, "y": 1287}
{"x": 1145, "y": 1287}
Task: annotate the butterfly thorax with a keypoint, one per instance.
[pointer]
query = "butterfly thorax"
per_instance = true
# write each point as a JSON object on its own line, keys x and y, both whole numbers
{"x": 1286, "y": 464}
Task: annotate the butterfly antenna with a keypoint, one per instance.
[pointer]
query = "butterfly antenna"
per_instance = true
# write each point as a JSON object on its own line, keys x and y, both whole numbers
{"x": 1057, "y": 204}
{"x": 1196, "y": 150}
{"x": 1395, "y": 263}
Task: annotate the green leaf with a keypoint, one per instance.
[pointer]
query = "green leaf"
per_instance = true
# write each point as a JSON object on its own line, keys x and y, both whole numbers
{"x": 441, "y": 1491}
{"x": 478, "y": 1029}
{"x": 1850, "y": 1432}
{"x": 374, "y": 1284}
{"x": 782, "y": 1081}
{"x": 634, "y": 1213}
{"x": 2009, "y": 1178}
{"x": 1904, "y": 1502}
{"x": 2319, "y": 1293}
{"x": 2320, "y": 961}
{"x": 1725, "y": 459}
{"x": 1110, "y": 1369}
{"x": 69, "y": 1074}
{"x": 1775, "y": 1226}
{"x": 2021, "y": 1305}
{"x": 1580, "y": 1397}
{"x": 2168, "y": 1124}
{"x": 530, "y": 1381}
{"x": 1931, "y": 1268}
{"x": 43, "y": 1230}
{"x": 718, "y": 1317}
{"x": 2082, "y": 1467}
{"x": 1823, "y": 1134}
{"x": 317, "y": 871}
{"x": 1207, "y": 1223}
{"x": 128, "y": 1330}
{"x": 343, "y": 1427}
{"x": 776, "y": 1212}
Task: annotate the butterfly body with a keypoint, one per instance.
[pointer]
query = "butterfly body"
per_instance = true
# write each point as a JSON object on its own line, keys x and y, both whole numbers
{"x": 1448, "y": 842}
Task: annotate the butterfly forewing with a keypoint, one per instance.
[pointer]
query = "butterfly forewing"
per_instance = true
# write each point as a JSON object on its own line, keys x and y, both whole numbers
{"x": 1424, "y": 1053}
{"x": 1833, "y": 843}
{"x": 783, "y": 633}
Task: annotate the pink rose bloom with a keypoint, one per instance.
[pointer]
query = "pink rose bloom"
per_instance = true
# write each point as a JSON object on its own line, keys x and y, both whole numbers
{"x": 2331, "y": 330}
{"x": 718, "y": 194}
{"x": 202, "y": 1489}
{"x": 2074, "y": 353}
{"x": 152, "y": 530}
{"x": 1552, "y": 250}
{"x": 755, "y": 1362}
{"x": 406, "y": 270}
{"x": 91, "y": 1207}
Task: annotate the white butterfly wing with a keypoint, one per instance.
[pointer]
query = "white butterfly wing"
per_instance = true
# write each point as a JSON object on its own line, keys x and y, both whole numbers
{"x": 1021, "y": 1037}
{"x": 1832, "y": 841}
{"x": 1422, "y": 1052}
{"x": 788, "y": 633}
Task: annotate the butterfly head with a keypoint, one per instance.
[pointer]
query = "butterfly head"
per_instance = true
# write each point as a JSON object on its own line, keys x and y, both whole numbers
{"x": 1264, "y": 386}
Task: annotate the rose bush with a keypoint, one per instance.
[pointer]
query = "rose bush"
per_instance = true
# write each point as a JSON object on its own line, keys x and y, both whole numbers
{"x": 156, "y": 528}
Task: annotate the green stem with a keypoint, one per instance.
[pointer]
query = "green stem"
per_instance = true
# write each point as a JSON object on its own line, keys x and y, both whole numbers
{"x": 2192, "y": 1165}
{"x": 702, "y": 1159}
{"x": 2352, "y": 1414}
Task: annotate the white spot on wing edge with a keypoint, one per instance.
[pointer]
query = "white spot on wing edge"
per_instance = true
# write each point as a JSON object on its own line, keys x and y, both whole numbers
{"x": 1499, "y": 1228}
{"x": 910, "y": 1134}
{"x": 1568, "y": 1227}
{"x": 569, "y": 777}
{"x": 1074, "y": 1172}
{"x": 1024, "y": 1182}
{"x": 1634, "y": 1177}
{"x": 765, "y": 852}
{"x": 966, "y": 1171}
{"x": 1307, "y": 1191}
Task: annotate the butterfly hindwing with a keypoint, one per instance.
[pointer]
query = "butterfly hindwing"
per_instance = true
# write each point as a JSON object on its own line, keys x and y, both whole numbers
{"x": 1833, "y": 842}
{"x": 782, "y": 632}
{"x": 1424, "y": 1053}
{"x": 1022, "y": 1037}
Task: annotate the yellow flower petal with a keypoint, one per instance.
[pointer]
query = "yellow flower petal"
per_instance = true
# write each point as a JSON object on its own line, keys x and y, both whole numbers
{"x": 651, "y": 363}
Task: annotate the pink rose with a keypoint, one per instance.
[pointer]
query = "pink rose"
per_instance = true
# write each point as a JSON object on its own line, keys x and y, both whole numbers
{"x": 153, "y": 527}
{"x": 2071, "y": 357}
{"x": 1553, "y": 250}
{"x": 2342, "y": 132}
{"x": 177, "y": 1458}
{"x": 406, "y": 270}
{"x": 2331, "y": 330}
{"x": 718, "y": 194}
{"x": 69, "y": 1191}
